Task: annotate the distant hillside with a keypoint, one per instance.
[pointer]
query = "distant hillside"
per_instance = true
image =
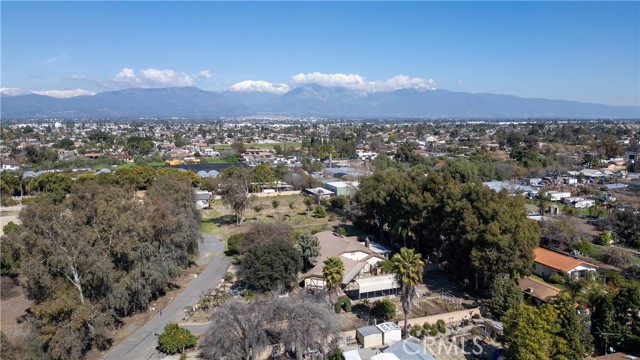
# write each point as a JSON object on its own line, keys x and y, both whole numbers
{"x": 305, "y": 100}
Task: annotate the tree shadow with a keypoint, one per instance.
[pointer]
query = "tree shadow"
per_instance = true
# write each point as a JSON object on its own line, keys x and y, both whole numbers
{"x": 222, "y": 220}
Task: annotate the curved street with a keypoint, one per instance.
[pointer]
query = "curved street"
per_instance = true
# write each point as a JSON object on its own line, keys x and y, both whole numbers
{"x": 141, "y": 344}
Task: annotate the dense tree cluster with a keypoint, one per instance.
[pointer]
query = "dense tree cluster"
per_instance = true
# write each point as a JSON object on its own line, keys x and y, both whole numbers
{"x": 100, "y": 254}
{"x": 479, "y": 233}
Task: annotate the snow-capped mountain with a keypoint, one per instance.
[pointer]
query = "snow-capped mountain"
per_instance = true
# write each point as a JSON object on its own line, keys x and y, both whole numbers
{"x": 259, "y": 86}
{"x": 303, "y": 100}
{"x": 15, "y": 92}
{"x": 59, "y": 94}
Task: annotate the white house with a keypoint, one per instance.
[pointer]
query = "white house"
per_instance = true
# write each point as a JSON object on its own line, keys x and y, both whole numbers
{"x": 361, "y": 279}
{"x": 547, "y": 262}
{"x": 9, "y": 164}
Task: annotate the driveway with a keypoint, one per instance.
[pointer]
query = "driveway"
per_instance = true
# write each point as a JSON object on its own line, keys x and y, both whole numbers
{"x": 141, "y": 344}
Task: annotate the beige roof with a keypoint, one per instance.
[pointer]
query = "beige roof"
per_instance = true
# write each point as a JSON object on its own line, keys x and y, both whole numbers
{"x": 539, "y": 290}
{"x": 332, "y": 244}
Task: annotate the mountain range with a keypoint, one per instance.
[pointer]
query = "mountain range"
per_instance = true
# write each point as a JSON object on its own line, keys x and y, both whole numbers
{"x": 304, "y": 100}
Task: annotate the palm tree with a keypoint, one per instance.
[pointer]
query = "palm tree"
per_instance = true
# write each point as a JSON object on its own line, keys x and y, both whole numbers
{"x": 332, "y": 273}
{"x": 407, "y": 268}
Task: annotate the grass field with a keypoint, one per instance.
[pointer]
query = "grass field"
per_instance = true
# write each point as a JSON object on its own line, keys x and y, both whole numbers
{"x": 221, "y": 222}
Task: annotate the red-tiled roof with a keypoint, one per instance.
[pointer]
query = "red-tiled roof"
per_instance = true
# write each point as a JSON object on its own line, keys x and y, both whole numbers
{"x": 556, "y": 260}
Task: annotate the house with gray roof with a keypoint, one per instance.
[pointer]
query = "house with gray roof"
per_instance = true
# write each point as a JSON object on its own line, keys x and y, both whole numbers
{"x": 361, "y": 278}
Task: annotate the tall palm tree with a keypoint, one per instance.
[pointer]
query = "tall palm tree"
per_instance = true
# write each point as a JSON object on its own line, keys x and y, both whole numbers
{"x": 332, "y": 273}
{"x": 407, "y": 268}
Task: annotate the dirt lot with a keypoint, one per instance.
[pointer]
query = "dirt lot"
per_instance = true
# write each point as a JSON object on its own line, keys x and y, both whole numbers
{"x": 13, "y": 305}
{"x": 7, "y": 215}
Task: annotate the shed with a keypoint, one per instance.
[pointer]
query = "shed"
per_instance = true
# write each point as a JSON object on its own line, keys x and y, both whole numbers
{"x": 369, "y": 336}
{"x": 351, "y": 355}
{"x": 390, "y": 332}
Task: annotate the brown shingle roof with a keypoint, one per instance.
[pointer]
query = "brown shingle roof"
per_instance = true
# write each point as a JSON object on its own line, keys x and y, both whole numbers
{"x": 539, "y": 290}
{"x": 556, "y": 260}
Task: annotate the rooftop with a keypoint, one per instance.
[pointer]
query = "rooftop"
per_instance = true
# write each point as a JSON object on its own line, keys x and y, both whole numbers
{"x": 556, "y": 260}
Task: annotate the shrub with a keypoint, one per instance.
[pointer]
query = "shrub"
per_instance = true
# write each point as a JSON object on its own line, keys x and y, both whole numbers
{"x": 475, "y": 331}
{"x": 339, "y": 201}
{"x": 228, "y": 276}
{"x": 332, "y": 217}
{"x": 343, "y": 302}
{"x": 235, "y": 244}
{"x": 415, "y": 331}
{"x": 319, "y": 212}
{"x": 433, "y": 331}
{"x": 335, "y": 354}
{"x": 556, "y": 278}
{"x": 176, "y": 339}
{"x": 341, "y": 231}
{"x": 605, "y": 238}
{"x": 442, "y": 327}
{"x": 476, "y": 316}
{"x": 384, "y": 309}
{"x": 426, "y": 326}
{"x": 585, "y": 247}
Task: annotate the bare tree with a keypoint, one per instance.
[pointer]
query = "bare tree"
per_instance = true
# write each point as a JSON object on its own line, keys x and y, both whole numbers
{"x": 239, "y": 331}
{"x": 244, "y": 330}
{"x": 309, "y": 324}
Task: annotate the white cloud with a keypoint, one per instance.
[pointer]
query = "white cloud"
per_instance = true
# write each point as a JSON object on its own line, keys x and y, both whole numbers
{"x": 460, "y": 82}
{"x": 152, "y": 78}
{"x": 259, "y": 86}
{"x": 357, "y": 82}
{"x": 205, "y": 74}
{"x": 58, "y": 58}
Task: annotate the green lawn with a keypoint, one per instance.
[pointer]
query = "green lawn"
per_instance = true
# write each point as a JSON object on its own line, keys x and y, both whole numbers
{"x": 205, "y": 160}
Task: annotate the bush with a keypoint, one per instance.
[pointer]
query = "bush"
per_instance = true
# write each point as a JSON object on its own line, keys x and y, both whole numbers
{"x": 426, "y": 326}
{"x": 604, "y": 239}
{"x": 585, "y": 247}
{"x": 228, "y": 276}
{"x": 235, "y": 244}
{"x": 335, "y": 354}
{"x": 442, "y": 327}
{"x": 341, "y": 231}
{"x": 416, "y": 330}
{"x": 384, "y": 309}
{"x": 476, "y": 316}
{"x": 343, "y": 302}
{"x": 175, "y": 339}
{"x": 433, "y": 331}
{"x": 556, "y": 278}
{"x": 339, "y": 202}
{"x": 319, "y": 212}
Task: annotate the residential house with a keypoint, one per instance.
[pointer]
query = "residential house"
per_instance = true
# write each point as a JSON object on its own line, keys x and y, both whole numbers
{"x": 361, "y": 279}
{"x": 319, "y": 193}
{"x": 538, "y": 291}
{"x": 9, "y": 164}
{"x": 547, "y": 262}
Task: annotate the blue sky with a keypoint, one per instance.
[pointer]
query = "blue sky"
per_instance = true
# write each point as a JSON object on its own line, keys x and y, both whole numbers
{"x": 584, "y": 51}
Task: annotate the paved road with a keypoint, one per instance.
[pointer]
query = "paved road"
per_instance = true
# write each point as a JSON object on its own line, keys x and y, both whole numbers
{"x": 141, "y": 344}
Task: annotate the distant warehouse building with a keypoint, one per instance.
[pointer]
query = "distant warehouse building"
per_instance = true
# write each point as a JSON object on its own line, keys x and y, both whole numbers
{"x": 341, "y": 187}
